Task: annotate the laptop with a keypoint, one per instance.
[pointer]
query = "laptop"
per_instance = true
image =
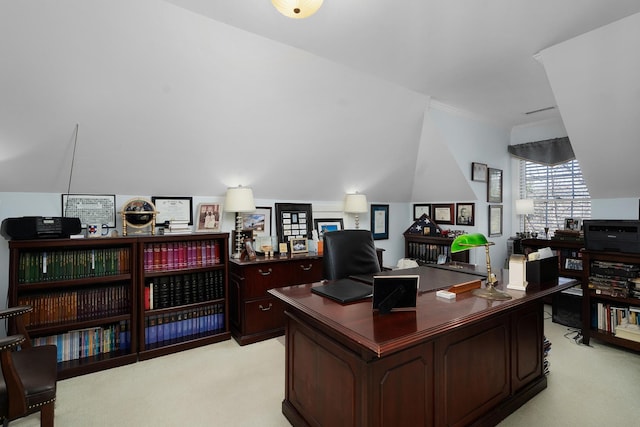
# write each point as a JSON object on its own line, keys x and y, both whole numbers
{"x": 344, "y": 290}
{"x": 392, "y": 292}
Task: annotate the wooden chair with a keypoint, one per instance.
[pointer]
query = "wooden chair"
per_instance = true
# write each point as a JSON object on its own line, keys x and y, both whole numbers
{"x": 28, "y": 381}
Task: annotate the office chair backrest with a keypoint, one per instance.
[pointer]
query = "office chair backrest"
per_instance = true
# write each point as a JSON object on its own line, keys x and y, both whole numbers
{"x": 349, "y": 252}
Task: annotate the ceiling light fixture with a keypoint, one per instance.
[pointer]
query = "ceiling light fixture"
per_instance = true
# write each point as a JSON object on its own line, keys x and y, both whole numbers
{"x": 297, "y": 9}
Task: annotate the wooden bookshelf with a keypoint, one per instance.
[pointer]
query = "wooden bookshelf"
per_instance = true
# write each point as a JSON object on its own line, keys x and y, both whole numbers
{"x": 183, "y": 292}
{"x": 600, "y": 304}
{"x": 84, "y": 296}
{"x": 568, "y": 251}
{"x": 426, "y": 249}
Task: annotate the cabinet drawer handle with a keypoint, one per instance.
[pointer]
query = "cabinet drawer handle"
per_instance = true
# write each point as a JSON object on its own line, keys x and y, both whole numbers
{"x": 306, "y": 268}
{"x": 265, "y": 309}
{"x": 264, "y": 273}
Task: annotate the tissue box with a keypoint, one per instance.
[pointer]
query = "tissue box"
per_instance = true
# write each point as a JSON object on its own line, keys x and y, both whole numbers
{"x": 543, "y": 270}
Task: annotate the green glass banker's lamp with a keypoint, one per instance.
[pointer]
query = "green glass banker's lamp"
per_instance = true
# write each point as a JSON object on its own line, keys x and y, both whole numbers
{"x": 465, "y": 242}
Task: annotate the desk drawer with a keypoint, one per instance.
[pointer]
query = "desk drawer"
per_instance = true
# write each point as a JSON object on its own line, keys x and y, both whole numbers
{"x": 263, "y": 315}
{"x": 260, "y": 278}
{"x": 305, "y": 271}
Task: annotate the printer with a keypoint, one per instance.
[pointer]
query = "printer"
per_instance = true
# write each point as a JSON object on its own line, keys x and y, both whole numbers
{"x": 612, "y": 235}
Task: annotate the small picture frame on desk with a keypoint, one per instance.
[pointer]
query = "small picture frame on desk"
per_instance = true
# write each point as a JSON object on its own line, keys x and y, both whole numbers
{"x": 299, "y": 246}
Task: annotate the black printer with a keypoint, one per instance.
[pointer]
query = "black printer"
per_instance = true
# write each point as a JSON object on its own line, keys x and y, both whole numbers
{"x": 612, "y": 235}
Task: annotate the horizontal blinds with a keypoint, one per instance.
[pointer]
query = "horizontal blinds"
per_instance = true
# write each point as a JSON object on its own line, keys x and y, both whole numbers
{"x": 558, "y": 192}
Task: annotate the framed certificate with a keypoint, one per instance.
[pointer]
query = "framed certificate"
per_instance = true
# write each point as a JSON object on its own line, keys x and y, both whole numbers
{"x": 173, "y": 209}
{"x": 90, "y": 208}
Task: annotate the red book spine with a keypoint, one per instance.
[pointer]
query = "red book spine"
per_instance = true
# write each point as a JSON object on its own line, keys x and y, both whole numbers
{"x": 164, "y": 256}
{"x": 157, "y": 257}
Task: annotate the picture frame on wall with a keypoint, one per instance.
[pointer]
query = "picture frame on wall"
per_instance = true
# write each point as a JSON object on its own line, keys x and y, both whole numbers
{"x": 322, "y": 225}
{"x": 494, "y": 185}
{"x": 293, "y": 221}
{"x": 258, "y": 221}
{"x": 380, "y": 222}
{"x": 420, "y": 209}
{"x": 173, "y": 209}
{"x": 90, "y": 209}
{"x": 478, "y": 172}
{"x": 443, "y": 213}
{"x": 209, "y": 218}
{"x": 465, "y": 214}
{"x": 495, "y": 220}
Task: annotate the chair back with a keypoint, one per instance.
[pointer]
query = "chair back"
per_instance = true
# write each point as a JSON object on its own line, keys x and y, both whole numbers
{"x": 349, "y": 252}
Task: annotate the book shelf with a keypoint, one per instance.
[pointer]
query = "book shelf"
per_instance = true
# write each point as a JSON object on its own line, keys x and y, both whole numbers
{"x": 610, "y": 296}
{"x": 183, "y": 292}
{"x": 427, "y": 249}
{"x": 568, "y": 252}
{"x": 84, "y": 299}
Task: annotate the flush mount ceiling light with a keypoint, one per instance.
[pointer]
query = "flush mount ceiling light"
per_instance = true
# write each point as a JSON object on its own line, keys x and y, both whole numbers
{"x": 297, "y": 9}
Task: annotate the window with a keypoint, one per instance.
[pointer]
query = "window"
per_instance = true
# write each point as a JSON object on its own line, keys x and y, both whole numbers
{"x": 558, "y": 192}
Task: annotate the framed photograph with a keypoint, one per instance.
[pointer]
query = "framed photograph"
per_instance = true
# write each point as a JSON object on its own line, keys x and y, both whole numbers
{"x": 573, "y": 224}
{"x": 299, "y": 245}
{"x": 380, "y": 222}
{"x": 173, "y": 208}
{"x": 327, "y": 224}
{"x": 443, "y": 213}
{"x": 209, "y": 217}
{"x": 465, "y": 213}
{"x": 495, "y": 220}
{"x": 90, "y": 208}
{"x": 494, "y": 185}
{"x": 248, "y": 250}
{"x": 420, "y": 209}
{"x": 478, "y": 172}
{"x": 293, "y": 221}
{"x": 259, "y": 221}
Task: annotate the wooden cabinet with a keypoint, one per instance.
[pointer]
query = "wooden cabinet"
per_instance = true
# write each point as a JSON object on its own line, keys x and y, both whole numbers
{"x": 183, "y": 292}
{"x": 605, "y": 302}
{"x": 427, "y": 249}
{"x": 84, "y": 298}
{"x": 254, "y": 314}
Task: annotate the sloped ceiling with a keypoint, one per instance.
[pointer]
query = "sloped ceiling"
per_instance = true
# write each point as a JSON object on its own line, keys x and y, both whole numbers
{"x": 595, "y": 79}
{"x": 188, "y": 100}
{"x": 170, "y": 102}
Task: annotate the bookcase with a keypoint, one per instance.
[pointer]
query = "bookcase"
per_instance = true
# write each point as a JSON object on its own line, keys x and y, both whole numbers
{"x": 183, "y": 292}
{"x": 611, "y": 297}
{"x": 84, "y": 299}
{"x": 568, "y": 252}
{"x": 427, "y": 249}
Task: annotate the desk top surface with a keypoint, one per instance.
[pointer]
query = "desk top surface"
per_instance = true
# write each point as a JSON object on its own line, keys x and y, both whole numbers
{"x": 382, "y": 334}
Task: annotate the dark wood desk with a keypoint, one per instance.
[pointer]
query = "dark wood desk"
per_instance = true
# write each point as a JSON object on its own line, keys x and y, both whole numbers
{"x": 454, "y": 363}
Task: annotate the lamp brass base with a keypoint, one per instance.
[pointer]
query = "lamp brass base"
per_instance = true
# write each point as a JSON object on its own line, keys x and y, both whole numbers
{"x": 490, "y": 292}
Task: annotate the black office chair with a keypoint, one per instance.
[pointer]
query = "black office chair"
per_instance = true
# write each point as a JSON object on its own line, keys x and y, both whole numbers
{"x": 28, "y": 380}
{"x": 349, "y": 252}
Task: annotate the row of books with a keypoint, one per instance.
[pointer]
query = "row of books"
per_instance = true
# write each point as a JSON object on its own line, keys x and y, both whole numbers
{"x": 614, "y": 279}
{"x": 177, "y": 255}
{"x": 162, "y": 329}
{"x": 181, "y": 289}
{"x": 607, "y": 317}
{"x": 427, "y": 252}
{"x": 70, "y": 306}
{"x": 72, "y": 264}
{"x": 89, "y": 342}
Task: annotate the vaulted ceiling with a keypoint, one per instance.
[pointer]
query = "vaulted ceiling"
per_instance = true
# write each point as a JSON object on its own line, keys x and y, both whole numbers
{"x": 190, "y": 96}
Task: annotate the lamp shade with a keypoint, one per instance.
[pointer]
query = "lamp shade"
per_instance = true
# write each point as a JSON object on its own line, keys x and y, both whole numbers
{"x": 465, "y": 242}
{"x": 524, "y": 207}
{"x": 239, "y": 199}
{"x": 297, "y": 9}
{"x": 355, "y": 203}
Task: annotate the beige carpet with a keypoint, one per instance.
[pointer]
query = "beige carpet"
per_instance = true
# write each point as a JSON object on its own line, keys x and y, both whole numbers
{"x": 228, "y": 385}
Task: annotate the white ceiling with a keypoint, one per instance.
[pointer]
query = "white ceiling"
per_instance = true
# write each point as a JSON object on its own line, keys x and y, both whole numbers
{"x": 474, "y": 55}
